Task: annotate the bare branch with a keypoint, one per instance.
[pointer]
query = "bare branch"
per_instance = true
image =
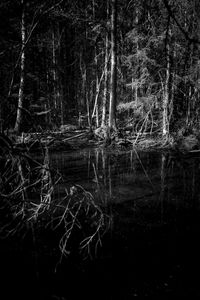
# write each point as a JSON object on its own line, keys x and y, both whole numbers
{"x": 184, "y": 32}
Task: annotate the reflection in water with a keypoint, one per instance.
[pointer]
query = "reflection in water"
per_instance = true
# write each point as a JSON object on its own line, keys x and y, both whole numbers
{"x": 152, "y": 200}
{"x": 112, "y": 176}
{"x": 163, "y": 172}
{"x": 73, "y": 210}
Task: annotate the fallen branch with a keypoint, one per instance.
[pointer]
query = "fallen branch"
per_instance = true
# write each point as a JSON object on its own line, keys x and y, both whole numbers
{"x": 73, "y": 137}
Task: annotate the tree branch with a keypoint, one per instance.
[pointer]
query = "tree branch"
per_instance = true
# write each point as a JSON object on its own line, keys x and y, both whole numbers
{"x": 184, "y": 32}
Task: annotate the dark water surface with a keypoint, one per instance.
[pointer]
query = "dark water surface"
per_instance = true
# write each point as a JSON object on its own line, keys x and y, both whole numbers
{"x": 151, "y": 248}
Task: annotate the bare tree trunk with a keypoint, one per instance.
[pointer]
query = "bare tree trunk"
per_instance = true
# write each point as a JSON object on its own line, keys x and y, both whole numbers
{"x": 173, "y": 83}
{"x": 55, "y": 58}
{"x": 97, "y": 86}
{"x": 54, "y": 68}
{"x": 97, "y": 91}
{"x": 189, "y": 99}
{"x": 49, "y": 119}
{"x": 165, "y": 129}
{"x": 96, "y": 74}
{"x": 105, "y": 91}
{"x": 88, "y": 111}
{"x": 113, "y": 75}
{"x": 18, "y": 123}
{"x": 60, "y": 89}
{"x": 166, "y": 100}
{"x": 57, "y": 78}
{"x": 137, "y": 62}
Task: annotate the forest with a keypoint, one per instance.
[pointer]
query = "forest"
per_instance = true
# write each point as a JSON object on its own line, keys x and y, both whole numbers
{"x": 99, "y": 148}
{"x": 117, "y": 68}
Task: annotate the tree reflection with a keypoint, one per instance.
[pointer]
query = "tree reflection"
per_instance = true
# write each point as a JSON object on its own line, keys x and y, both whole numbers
{"x": 29, "y": 198}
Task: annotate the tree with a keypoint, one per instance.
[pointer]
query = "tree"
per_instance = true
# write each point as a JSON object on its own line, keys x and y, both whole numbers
{"x": 18, "y": 122}
{"x": 105, "y": 90}
{"x": 166, "y": 100}
{"x": 113, "y": 71}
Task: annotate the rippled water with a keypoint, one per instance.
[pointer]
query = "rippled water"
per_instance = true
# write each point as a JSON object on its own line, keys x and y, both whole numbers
{"x": 151, "y": 247}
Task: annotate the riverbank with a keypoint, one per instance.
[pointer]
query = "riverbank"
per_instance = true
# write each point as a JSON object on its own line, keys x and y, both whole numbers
{"x": 74, "y": 139}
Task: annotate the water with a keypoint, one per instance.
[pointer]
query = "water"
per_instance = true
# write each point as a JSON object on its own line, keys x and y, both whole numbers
{"x": 150, "y": 249}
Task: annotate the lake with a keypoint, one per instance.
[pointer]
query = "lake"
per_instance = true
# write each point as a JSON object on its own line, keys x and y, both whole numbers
{"x": 149, "y": 245}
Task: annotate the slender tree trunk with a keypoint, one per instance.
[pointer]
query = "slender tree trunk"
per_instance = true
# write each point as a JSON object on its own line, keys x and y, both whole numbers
{"x": 173, "y": 83}
{"x": 189, "y": 99}
{"x": 60, "y": 89}
{"x": 49, "y": 120}
{"x": 113, "y": 75}
{"x": 166, "y": 98}
{"x": 54, "y": 68}
{"x": 18, "y": 123}
{"x": 96, "y": 89}
{"x": 96, "y": 74}
{"x": 55, "y": 59}
{"x": 57, "y": 78}
{"x": 105, "y": 91}
{"x": 165, "y": 104}
{"x": 137, "y": 63}
{"x": 88, "y": 111}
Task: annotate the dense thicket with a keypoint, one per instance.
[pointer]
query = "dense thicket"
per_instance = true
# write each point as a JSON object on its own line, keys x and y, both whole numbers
{"x": 56, "y": 64}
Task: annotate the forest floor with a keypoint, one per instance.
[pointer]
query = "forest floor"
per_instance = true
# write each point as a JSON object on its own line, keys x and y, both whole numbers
{"x": 74, "y": 139}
